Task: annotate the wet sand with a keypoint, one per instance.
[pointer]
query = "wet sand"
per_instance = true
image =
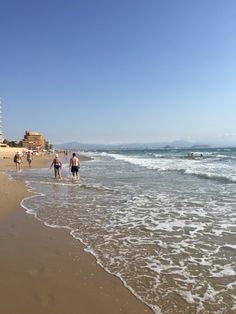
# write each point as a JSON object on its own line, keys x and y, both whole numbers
{"x": 45, "y": 270}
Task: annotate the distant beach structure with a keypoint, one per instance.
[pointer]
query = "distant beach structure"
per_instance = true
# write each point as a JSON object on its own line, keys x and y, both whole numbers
{"x": 34, "y": 140}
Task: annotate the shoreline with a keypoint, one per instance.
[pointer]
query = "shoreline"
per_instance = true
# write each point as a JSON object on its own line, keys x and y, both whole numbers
{"x": 46, "y": 269}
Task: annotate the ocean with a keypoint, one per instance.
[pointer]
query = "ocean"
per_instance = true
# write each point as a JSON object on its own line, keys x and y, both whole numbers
{"x": 162, "y": 221}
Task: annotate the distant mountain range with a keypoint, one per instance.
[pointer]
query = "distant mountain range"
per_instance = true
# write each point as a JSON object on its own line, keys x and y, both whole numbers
{"x": 133, "y": 146}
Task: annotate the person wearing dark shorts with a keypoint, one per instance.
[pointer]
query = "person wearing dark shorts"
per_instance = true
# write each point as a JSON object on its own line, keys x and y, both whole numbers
{"x": 75, "y": 165}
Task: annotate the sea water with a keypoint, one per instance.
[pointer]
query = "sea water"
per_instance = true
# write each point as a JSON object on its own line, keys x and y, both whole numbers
{"x": 162, "y": 221}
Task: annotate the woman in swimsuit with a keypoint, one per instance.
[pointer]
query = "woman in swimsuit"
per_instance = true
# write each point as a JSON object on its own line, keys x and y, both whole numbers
{"x": 57, "y": 166}
{"x": 29, "y": 157}
{"x": 18, "y": 161}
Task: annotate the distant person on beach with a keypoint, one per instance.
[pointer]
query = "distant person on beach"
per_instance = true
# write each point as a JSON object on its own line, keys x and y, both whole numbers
{"x": 18, "y": 161}
{"x": 29, "y": 157}
{"x": 75, "y": 165}
{"x": 56, "y": 163}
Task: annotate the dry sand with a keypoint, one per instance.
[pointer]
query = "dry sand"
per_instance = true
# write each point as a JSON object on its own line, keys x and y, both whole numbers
{"x": 45, "y": 270}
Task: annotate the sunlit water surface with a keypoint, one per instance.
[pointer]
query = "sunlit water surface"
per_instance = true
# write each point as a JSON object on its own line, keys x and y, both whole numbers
{"x": 165, "y": 224}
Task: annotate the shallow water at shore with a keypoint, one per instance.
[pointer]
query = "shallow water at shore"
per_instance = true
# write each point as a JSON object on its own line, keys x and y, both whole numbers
{"x": 163, "y": 223}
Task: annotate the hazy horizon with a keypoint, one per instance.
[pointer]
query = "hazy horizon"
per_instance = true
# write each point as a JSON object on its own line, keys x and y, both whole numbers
{"x": 179, "y": 143}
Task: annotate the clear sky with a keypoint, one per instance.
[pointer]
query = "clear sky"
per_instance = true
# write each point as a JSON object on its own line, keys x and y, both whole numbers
{"x": 103, "y": 71}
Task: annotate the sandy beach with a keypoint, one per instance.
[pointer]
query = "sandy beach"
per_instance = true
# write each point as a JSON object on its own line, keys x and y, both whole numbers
{"x": 45, "y": 270}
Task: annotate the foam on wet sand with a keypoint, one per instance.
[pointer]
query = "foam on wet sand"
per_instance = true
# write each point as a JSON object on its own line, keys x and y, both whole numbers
{"x": 45, "y": 270}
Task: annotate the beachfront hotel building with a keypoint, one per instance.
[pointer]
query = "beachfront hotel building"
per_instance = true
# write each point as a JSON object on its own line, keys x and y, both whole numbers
{"x": 34, "y": 140}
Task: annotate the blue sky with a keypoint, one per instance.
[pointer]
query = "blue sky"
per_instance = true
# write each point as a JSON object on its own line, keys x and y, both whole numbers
{"x": 119, "y": 71}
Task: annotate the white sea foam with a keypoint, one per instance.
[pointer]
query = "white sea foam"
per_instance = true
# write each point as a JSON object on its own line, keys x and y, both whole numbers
{"x": 226, "y": 271}
{"x": 231, "y": 246}
{"x": 199, "y": 168}
{"x": 187, "y": 296}
{"x": 160, "y": 232}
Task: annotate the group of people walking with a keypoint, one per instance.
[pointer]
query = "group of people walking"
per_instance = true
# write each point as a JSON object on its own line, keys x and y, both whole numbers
{"x": 18, "y": 159}
{"x": 56, "y": 164}
{"x": 74, "y": 166}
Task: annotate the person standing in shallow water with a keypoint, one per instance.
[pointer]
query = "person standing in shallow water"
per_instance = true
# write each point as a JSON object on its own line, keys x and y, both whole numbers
{"x": 75, "y": 165}
{"x": 18, "y": 161}
{"x": 29, "y": 157}
{"x": 56, "y": 163}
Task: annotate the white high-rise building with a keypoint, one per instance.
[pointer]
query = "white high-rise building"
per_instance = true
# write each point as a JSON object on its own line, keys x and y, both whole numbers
{"x": 1, "y": 127}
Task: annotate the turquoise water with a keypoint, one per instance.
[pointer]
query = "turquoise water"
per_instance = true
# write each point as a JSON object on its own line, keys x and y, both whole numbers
{"x": 163, "y": 221}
